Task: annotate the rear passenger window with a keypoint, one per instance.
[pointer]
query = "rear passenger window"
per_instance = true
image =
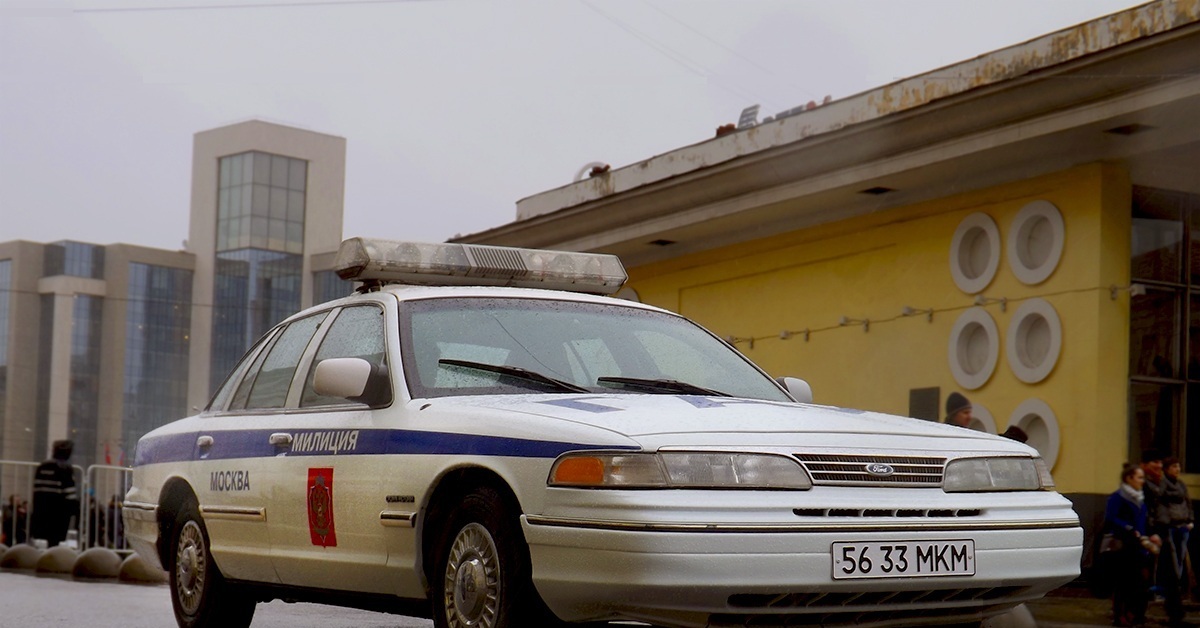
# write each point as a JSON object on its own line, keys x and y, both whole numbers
{"x": 271, "y": 383}
{"x": 231, "y": 382}
{"x": 357, "y": 332}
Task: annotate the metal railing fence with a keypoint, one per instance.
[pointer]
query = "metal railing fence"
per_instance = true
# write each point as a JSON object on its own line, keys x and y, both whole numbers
{"x": 101, "y": 490}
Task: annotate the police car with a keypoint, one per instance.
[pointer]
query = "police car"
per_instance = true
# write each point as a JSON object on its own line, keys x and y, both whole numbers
{"x": 481, "y": 436}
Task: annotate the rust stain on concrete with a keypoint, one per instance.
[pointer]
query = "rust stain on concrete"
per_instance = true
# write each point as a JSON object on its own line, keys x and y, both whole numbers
{"x": 1045, "y": 52}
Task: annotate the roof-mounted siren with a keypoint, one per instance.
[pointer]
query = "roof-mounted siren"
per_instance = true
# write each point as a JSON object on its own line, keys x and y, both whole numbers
{"x": 373, "y": 262}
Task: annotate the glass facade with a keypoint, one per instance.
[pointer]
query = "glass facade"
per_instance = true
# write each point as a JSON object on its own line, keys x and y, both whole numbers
{"x": 253, "y": 291}
{"x": 157, "y": 326}
{"x": 45, "y": 349}
{"x": 1164, "y": 338}
{"x": 260, "y": 245}
{"x": 5, "y": 304}
{"x": 75, "y": 259}
{"x": 83, "y": 409}
{"x": 327, "y": 286}
{"x": 260, "y": 203}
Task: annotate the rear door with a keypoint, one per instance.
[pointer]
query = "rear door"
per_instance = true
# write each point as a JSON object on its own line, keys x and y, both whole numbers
{"x": 236, "y": 452}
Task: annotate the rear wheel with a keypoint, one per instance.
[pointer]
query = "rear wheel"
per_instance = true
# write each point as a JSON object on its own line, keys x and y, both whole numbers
{"x": 481, "y": 578}
{"x": 199, "y": 594}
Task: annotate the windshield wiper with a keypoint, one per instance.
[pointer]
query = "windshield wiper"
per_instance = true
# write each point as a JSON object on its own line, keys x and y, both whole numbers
{"x": 662, "y": 385}
{"x": 518, "y": 373}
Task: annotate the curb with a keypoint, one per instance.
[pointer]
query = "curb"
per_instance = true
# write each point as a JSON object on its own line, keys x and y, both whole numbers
{"x": 97, "y": 564}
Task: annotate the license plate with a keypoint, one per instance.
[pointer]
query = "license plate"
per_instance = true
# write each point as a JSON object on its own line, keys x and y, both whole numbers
{"x": 903, "y": 559}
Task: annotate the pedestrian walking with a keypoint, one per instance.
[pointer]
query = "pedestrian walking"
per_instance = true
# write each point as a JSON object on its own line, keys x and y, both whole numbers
{"x": 1127, "y": 548}
{"x": 55, "y": 498}
{"x": 1173, "y": 520}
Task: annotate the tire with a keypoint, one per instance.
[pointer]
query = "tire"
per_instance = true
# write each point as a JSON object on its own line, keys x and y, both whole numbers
{"x": 199, "y": 594}
{"x": 482, "y": 575}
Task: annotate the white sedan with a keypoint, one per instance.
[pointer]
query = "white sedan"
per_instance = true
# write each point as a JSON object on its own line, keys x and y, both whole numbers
{"x": 479, "y": 436}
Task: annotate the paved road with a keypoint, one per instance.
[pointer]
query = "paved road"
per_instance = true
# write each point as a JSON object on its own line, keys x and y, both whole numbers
{"x": 28, "y": 600}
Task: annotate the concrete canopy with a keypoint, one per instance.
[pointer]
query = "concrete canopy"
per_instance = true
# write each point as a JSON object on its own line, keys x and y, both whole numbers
{"x": 1121, "y": 89}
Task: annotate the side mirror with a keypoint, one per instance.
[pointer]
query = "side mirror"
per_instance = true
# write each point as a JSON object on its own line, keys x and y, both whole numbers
{"x": 354, "y": 379}
{"x": 797, "y": 388}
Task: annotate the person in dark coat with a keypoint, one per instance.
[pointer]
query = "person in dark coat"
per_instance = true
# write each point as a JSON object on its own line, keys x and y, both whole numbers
{"x": 1172, "y": 520}
{"x": 1125, "y": 527}
{"x": 55, "y": 498}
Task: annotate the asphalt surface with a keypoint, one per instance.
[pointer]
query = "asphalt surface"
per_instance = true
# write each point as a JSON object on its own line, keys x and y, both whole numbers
{"x": 28, "y": 599}
{"x": 1071, "y": 607}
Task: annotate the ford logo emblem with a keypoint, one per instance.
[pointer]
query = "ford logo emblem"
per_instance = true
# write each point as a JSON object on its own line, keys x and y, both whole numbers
{"x": 880, "y": 469}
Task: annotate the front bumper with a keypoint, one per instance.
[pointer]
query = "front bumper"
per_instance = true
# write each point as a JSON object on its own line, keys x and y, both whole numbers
{"x": 141, "y": 531}
{"x": 691, "y": 574}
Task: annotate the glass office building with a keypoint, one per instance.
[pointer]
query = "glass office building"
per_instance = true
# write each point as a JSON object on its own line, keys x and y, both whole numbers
{"x": 260, "y": 238}
{"x": 157, "y": 340}
{"x": 102, "y": 343}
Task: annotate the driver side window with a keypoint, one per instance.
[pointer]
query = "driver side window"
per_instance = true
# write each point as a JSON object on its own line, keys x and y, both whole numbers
{"x": 357, "y": 332}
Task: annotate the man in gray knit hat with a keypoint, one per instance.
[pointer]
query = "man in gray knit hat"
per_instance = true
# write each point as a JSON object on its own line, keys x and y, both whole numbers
{"x": 958, "y": 410}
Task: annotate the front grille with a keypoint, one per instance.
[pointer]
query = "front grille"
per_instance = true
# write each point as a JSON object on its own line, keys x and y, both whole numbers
{"x": 901, "y": 617}
{"x": 846, "y": 608}
{"x": 851, "y": 469}
{"x": 937, "y": 513}
{"x": 840, "y": 599}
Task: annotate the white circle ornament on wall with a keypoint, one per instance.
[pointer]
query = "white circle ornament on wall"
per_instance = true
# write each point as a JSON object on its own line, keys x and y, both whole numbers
{"x": 981, "y": 419}
{"x": 1035, "y": 242}
{"x": 975, "y": 253}
{"x": 1034, "y": 341}
{"x": 974, "y": 348}
{"x": 1039, "y": 423}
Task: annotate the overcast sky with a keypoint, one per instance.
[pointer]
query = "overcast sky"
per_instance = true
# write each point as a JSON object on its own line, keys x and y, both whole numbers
{"x": 452, "y": 109}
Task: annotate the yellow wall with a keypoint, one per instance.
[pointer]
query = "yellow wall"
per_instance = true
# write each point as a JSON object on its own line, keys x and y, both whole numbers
{"x": 871, "y": 267}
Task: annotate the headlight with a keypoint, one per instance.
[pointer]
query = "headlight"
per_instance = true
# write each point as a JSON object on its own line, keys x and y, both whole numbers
{"x": 678, "y": 470}
{"x": 992, "y": 474}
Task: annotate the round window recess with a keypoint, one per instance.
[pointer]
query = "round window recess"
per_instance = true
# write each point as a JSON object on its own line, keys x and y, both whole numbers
{"x": 1034, "y": 341}
{"x": 981, "y": 419}
{"x": 1038, "y": 421}
{"x": 974, "y": 348}
{"x": 975, "y": 253}
{"x": 628, "y": 293}
{"x": 1035, "y": 242}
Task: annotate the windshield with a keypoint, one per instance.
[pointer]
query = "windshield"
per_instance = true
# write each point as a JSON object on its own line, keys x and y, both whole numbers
{"x": 478, "y": 346}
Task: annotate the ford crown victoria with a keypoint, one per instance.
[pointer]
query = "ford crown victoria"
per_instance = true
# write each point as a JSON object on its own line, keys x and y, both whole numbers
{"x": 480, "y": 436}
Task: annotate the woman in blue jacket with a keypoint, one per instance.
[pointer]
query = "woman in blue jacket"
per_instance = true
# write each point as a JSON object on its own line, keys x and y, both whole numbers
{"x": 1129, "y": 547}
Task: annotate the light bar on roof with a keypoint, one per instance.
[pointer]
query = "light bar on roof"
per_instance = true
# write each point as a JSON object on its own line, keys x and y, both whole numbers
{"x": 368, "y": 259}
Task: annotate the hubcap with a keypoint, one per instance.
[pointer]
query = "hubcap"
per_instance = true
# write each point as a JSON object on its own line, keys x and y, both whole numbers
{"x": 472, "y": 579}
{"x": 191, "y": 562}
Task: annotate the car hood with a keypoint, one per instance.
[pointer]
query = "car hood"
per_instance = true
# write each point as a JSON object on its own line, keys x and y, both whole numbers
{"x": 687, "y": 420}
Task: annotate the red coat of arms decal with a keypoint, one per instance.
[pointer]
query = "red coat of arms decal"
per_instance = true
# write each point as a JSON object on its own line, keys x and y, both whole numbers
{"x": 320, "y": 507}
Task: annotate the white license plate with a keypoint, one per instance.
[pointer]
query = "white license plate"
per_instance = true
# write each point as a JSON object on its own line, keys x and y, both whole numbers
{"x": 903, "y": 559}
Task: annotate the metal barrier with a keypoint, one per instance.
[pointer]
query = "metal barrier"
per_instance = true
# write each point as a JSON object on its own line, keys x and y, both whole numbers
{"x": 104, "y": 489}
{"x": 16, "y": 487}
{"x": 98, "y": 523}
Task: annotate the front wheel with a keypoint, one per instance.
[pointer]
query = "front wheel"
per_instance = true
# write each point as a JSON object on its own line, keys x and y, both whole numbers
{"x": 482, "y": 576}
{"x": 199, "y": 594}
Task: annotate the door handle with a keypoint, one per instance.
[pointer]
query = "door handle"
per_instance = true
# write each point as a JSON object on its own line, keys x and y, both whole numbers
{"x": 204, "y": 442}
{"x": 281, "y": 439}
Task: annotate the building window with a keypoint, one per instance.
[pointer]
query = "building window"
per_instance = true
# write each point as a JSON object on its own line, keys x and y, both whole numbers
{"x": 83, "y": 413}
{"x": 327, "y": 286}
{"x": 41, "y": 442}
{"x": 260, "y": 202}
{"x": 253, "y": 291}
{"x": 5, "y": 304}
{"x": 75, "y": 259}
{"x": 158, "y": 320}
{"x": 1164, "y": 338}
